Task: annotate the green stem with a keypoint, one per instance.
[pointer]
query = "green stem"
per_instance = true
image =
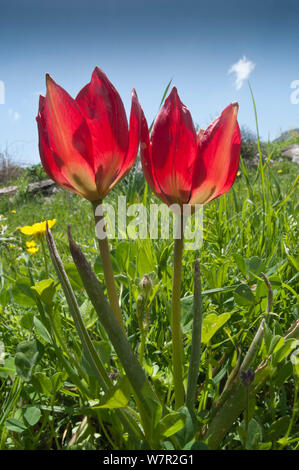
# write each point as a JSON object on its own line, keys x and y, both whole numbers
{"x": 45, "y": 256}
{"x": 107, "y": 264}
{"x": 143, "y": 331}
{"x": 177, "y": 350}
{"x": 196, "y": 339}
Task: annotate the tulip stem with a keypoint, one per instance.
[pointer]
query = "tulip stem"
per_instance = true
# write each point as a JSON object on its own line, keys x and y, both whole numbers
{"x": 106, "y": 261}
{"x": 177, "y": 351}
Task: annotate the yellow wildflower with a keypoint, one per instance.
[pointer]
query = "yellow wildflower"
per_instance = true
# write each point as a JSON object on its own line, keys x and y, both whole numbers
{"x": 33, "y": 250}
{"x": 38, "y": 229}
{"x": 13, "y": 211}
{"x": 279, "y": 171}
{"x": 32, "y": 247}
{"x": 11, "y": 246}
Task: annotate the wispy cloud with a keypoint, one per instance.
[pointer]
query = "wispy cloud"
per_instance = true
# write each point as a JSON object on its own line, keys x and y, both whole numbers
{"x": 242, "y": 69}
{"x": 14, "y": 114}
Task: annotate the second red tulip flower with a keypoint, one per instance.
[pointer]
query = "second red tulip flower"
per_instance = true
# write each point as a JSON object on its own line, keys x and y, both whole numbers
{"x": 185, "y": 168}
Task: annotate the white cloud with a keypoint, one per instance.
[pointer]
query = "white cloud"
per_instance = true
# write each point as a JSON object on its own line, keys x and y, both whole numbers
{"x": 14, "y": 114}
{"x": 242, "y": 69}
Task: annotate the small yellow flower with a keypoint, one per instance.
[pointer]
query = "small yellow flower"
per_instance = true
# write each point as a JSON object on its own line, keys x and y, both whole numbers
{"x": 32, "y": 247}
{"x": 33, "y": 250}
{"x": 239, "y": 173}
{"x": 279, "y": 171}
{"x": 38, "y": 229}
{"x": 11, "y": 246}
{"x": 13, "y": 211}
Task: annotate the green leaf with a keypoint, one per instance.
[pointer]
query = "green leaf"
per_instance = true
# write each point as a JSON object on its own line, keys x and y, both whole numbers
{"x": 26, "y": 320}
{"x": 15, "y": 425}
{"x": 278, "y": 429}
{"x": 57, "y": 381}
{"x": 254, "y": 265}
{"x": 73, "y": 275}
{"x": 88, "y": 313}
{"x": 42, "y": 330}
{"x": 186, "y": 434}
{"x": 32, "y": 415}
{"x": 22, "y": 293}
{"x": 243, "y": 295}
{"x": 196, "y": 445}
{"x": 241, "y": 263}
{"x": 28, "y": 354}
{"x": 45, "y": 290}
{"x": 295, "y": 362}
{"x": 171, "y": 423}
{"x": 23, "y": 366}
{"x": 42, "y": 383}
{"x": 118, "y": 396}
{"x": 211, "y": 324}
{"x": 103, "y": 348}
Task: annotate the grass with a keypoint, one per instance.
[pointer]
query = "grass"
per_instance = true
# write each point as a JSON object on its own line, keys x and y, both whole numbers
{"x": 251, "y": 229}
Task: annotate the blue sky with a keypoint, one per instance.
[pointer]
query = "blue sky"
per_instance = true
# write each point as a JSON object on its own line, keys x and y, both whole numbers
{"x": 142, "y": 44}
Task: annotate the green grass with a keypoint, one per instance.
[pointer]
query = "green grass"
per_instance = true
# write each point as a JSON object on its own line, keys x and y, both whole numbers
{"x": 253, "y": 228}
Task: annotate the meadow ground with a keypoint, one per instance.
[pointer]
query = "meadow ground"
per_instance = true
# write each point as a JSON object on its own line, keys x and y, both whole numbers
{"x": 251, "y": 229}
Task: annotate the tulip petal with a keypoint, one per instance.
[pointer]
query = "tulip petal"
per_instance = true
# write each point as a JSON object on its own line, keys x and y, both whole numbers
{"x": 174, "y": 148}
{"x": 105, "y": 115}
{"x": 234, "y": 162}
{"x": 70, "y": 140}
{"x": 146, "y": 160}
{"x": 218, "y": 154}
{"x": 46, "y": 154}
{"x": 134, "y": 138}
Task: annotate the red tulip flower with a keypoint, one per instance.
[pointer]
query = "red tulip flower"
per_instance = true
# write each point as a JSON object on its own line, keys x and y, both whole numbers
{"x": 185, "y": 168}
{"x": 84, "y": 143}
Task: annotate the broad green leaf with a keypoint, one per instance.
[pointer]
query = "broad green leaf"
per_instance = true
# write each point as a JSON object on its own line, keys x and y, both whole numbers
{"x": 118, "y": 396}
{"x": 243, "y": 295}
{"x": 241, "y": 263}
{"x": 42, "y": 330}
{"x": 73, "y": 275}
{"x": 15, "y": 425}
{"x": 26, "y": 320}
{"x": 254, "y": 265}
{"x": 32, "y": 415}
{"x": 211, "y": 324}
{"x": 45, "y": 290}
{"x": 22, "y": 293}
{"x": 28, "y": 354}
{"x": 278, "y": 429}
{"x": 103, "y": 348}
{"x": 88, "y": 313}
{"x": 171, "y": 423}
{"x": 42, "y": 383}
{"x": 295, "y": 362}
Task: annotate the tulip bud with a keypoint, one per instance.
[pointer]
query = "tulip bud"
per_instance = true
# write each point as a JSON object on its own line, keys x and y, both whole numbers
{"x": 146, "y": 285}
